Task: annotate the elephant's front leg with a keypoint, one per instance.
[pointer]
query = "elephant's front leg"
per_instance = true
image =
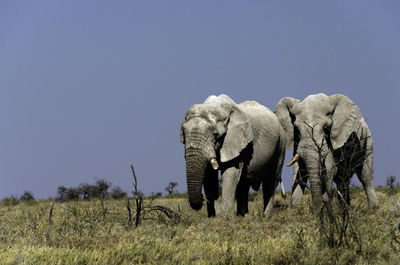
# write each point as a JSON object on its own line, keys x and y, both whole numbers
{"x": 230, "y": 180}
{"x": 331, "y": 171}
{"x": 300, "y": 178}
{"x": 211, "y": 190}
{"x": 366, "y": 176}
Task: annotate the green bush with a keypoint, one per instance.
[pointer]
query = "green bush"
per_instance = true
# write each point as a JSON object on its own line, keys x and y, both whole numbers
{"x": 176, "y": 196}
{"x": 9, "y": 201}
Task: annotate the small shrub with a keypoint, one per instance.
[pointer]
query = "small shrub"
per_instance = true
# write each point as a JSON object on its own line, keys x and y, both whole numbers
{"x": 170, "y": 188}
{"x": 117, "y": 193}
{"x": 176, "y": 195}
{"x": 27, "y": 196}
{"x": 72, "y": 194}
{"x": 10, "y": 201}
{"x": 390, "y": 183}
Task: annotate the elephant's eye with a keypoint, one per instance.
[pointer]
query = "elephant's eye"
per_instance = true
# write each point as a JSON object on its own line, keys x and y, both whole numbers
{"x": 215, "y": 134}
{"x": 330, "y": 113}
{"x": 326, "y": 130}
{"x": 292, "y": 117}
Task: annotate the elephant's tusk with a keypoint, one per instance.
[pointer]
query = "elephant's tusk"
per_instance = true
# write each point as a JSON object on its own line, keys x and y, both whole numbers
{"x": 214, "y": 163}
{"x": 294, "y": 159}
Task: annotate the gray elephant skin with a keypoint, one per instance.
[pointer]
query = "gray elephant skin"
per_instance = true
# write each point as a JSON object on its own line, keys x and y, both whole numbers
{"x": 331, "y": 142}
{"x": 245, "y": 141}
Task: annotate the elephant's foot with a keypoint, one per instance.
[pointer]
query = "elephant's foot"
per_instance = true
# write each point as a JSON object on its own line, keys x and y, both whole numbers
{"x": 217, "y": 208}
{"x": 297, "y": 197}
{"x": 210, "y": 209}
{"x": 325, "y": 197}
{"x": 223, "y": 209}
{"x": 268, "y": 213}
{"x": 372, "y": 199}
{"x": 269, "y": 209}
{"x": 373, "y": 203}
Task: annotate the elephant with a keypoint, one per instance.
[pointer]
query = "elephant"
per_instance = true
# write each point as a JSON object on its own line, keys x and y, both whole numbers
{"x": 245, "y": 142}
{"x": 331, "y": 142}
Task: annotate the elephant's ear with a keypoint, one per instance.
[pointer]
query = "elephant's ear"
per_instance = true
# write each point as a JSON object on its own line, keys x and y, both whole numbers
{"x": 182, "y": 136}
{"x": 239, "y": 134}
{"x": 346, "y": 119}
{"x": 282, "y": 111}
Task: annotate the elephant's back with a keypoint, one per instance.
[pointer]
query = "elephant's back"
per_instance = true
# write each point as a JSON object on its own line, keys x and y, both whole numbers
{"x": 259, "y": 113}
{"x": 265, "y": 124}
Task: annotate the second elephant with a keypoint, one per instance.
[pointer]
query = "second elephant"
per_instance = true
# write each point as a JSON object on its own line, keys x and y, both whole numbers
{"x": 330, "y": 141}
{"x": 245, "y": 141}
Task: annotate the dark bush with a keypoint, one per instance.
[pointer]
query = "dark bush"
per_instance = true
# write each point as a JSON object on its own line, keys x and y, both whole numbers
{"x": 9, "y": 201}
{"x": 72, "y": 194}
{"x": 140, "y": 194}
{"x": 62, "y": 193}
{"x": 102, "y": 186}
{"x": 170, "y": 188}
{"x": 27, "y": 196}
{"x": 87, "y": 191}
{"x": 390, "y": 181}
{"x": 176, "y": 195}
{"x": 117, "y": 193}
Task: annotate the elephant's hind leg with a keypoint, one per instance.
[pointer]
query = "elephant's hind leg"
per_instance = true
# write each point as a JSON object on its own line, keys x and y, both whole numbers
{"x": 268, "y": 186}
{"x": 268, "y": 195}
{"x": 273, "y": 177}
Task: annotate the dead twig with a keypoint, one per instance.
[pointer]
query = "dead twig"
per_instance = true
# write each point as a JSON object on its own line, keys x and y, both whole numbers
{"x": 138, "y": 198}
{"x": 49, "y": 225}
{"x": 103, "y": 209}
{"x": 129, "y": 213}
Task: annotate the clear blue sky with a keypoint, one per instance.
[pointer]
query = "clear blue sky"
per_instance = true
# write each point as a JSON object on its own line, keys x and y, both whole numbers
{"x": 88, "y": 86}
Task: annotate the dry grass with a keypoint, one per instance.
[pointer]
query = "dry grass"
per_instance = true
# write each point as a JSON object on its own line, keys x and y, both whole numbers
{"x": 79, "y": 234}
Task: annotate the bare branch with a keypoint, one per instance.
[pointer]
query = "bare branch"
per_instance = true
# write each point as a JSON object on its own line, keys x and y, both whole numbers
{"x": 146, "y": 212}
{"x": 49, "y": 225}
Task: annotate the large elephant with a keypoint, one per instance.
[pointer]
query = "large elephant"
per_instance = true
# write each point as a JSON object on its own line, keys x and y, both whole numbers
{"x": 330, "y": 141}
{"x": 245, "y": 141}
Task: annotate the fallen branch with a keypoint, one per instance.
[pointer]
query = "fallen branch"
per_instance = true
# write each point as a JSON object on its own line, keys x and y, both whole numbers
{"x": 142, "y": 211}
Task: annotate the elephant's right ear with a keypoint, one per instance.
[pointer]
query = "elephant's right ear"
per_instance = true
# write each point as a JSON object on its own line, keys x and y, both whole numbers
{"x": 282, "y": 111}
{"x": 182, "y": 135}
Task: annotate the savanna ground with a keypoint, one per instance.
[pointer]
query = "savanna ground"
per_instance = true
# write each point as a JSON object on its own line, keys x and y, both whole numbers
{"x": 80, "y": 234}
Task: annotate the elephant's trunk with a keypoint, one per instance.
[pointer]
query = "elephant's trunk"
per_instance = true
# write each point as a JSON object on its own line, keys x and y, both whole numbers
{"x": 196, "y": 164}
{"x": 315, "y": 186}
{"x": 314, "y": 161}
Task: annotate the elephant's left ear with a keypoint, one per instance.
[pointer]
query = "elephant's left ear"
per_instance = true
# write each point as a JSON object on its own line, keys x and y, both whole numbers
{"x": 346, "y": 119}
{"x": 239, "y": 134}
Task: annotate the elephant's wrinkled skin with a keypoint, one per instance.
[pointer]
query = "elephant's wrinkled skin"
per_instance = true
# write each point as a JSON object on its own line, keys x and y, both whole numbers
{"x": 331, "y": 140}
{"x": 245, "y": 141}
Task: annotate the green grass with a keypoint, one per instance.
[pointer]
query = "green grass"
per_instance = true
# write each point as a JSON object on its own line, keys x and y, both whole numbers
{"x": 79, "y": 234}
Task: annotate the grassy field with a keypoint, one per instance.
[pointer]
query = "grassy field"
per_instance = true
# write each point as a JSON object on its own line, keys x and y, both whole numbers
{"x": 79, "y": 234}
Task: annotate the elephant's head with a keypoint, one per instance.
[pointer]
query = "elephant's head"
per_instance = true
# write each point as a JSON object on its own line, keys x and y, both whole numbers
{"x": 315, "y": 127}
{"x": 213, "y": 133}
